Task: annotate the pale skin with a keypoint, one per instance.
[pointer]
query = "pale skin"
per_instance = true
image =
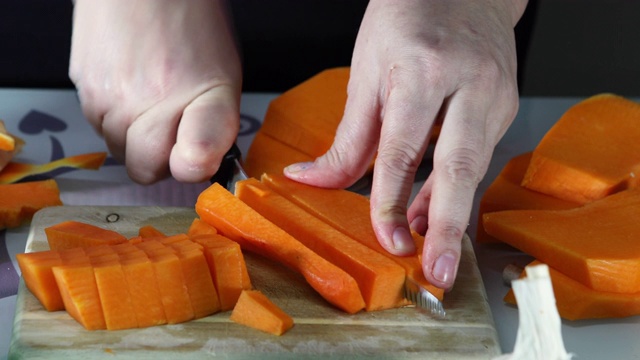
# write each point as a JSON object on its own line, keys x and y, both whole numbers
{"x": 167, "y": 102}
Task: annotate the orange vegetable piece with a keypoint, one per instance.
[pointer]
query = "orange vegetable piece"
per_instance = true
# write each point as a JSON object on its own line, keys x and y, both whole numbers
{"x": 147, "y": 231}
{"x": 7, "y": 141}
{"x": 301, "y": 123}
{"x": 381, "y": 280}
{"x": 200, "y": 287}
{"x": 227, "y": 266}
{"x": 199, "y": 227}
{"x": 20, "y": 201}
{"x": 595, "y": 244}
{"x": 39, "y": 279}
{"x": 591, "y": 152}
{"x": 171, "y": 282}
{"x": 507, "y": 193}
{"x": 255, "y": 310}
{"x": 253, "y": 232}
{"x": 71, "y": 233}
{"x": 578, "y": 302}
{"x": 348, "y": 212}
{"x": 142, "y": 285}
{"x": 268, "y": 154}
{"x": 80, "y": 295}
{"x": 117, "y": 305}
{"x": 304, "y": 118}
{"x": 14, "y": 172}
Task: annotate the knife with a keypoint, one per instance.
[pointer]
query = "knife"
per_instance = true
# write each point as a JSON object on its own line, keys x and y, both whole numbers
{"x": 231, "y": 171}
{"x": 423, "y": 299}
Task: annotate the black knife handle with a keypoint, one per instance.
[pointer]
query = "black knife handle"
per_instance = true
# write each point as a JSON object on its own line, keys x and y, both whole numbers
{"x": 226, "y": 169}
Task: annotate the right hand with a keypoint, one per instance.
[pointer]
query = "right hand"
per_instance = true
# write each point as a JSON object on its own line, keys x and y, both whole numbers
{"x": 160, "y": 80}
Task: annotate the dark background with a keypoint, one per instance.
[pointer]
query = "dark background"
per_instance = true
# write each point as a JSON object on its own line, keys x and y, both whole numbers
{"x": 565, "y": 47}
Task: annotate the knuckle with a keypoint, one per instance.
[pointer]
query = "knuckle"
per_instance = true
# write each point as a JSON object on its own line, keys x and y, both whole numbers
{"x": 450, "y": 233}
{"x": 463, "y": 166}
{"x": 400, "y": 156}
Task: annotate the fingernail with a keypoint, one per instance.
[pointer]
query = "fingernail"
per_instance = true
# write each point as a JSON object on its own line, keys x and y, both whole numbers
{"x": 444, "y": 268}
{"x": 298, "y": 167}
{"x": 419, "y": 224}
{"x": 402, "y": 240}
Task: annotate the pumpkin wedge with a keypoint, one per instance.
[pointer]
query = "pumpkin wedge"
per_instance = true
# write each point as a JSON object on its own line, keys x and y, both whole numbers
{"x": 239, "y": 222}
{"x": 255, "y": 310}
{"x": 381, "y": 280}
{"x": 591, "y": 152}
{"x": 578, "y": 302}
{"x": 596, "y": 244}
{"x": 349, "y": 213}
{"x": 507, "y": 193}
{"x": 71, "y": 234}
{"x": 20, "y": 201}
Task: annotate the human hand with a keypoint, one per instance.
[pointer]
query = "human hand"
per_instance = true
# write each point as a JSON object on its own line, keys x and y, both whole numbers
{"x": 160, "y": 80}
{"x": 415, "y": 62}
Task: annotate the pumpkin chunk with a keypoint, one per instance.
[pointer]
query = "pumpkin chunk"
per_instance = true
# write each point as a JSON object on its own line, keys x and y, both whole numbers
{"x": 79, "y": 292}
{"x": 591, "y": 152}
{"x": 70, "y": 234}
{"x": 239, "y": 222}
{"x": 381, "y": 280}
{"x": 595, "y": 244}
{"x": 20, "y": 201}
{"x": 255, "y": 310}
{"x": 227, "y": 267}
{"x": 38, "y": 277}
{"x": 171, "y": 282}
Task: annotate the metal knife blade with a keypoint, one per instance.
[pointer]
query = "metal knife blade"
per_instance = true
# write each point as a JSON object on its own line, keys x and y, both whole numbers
{"x": 230, "y": 170}
{"x": 423, "y": 299}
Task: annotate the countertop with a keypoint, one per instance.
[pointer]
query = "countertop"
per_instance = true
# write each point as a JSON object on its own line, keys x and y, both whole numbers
{"x": 52, "y": 124}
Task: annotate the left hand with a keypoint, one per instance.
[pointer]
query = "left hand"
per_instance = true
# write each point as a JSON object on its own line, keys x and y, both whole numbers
{"x": 414, "y": 62}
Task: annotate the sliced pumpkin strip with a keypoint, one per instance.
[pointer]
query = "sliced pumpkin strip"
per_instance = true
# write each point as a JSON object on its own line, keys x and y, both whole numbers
{"x": 381, "y": 280}
{"x": 14, "y": 171}
{"x": 348, "y": 212}
{"x": 239, "y": 222}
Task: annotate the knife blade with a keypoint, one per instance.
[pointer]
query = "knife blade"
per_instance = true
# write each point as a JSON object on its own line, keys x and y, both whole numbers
{"x": 423, "y": 299}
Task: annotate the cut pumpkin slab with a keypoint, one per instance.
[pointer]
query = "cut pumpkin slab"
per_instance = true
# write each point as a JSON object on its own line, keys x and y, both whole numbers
{"x": 20, "y": 201}
{"x": 507, "y": 193}
{"x": 578, "y": 302}
{"x": 349, "y": 213}
{"x": 381, "y": 280}
{"x": 596, "y": 244}
{"x": 591, "y": 152}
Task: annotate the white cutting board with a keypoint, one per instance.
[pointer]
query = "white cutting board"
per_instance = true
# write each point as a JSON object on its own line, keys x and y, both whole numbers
{"x": 320, "y": 331}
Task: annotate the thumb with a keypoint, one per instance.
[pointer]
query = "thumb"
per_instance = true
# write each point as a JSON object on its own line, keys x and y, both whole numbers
{"x": 208, "y": 128}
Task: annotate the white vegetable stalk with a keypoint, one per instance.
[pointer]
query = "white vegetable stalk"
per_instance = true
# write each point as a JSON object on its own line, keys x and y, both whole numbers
{"x": 539, "y": 331}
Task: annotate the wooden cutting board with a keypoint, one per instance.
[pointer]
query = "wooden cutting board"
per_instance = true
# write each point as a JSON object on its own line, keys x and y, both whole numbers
{"x": 320, "y": 330}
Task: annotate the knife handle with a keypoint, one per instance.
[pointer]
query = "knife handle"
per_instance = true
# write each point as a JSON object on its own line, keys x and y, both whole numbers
{"x": 227, "y": 166}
